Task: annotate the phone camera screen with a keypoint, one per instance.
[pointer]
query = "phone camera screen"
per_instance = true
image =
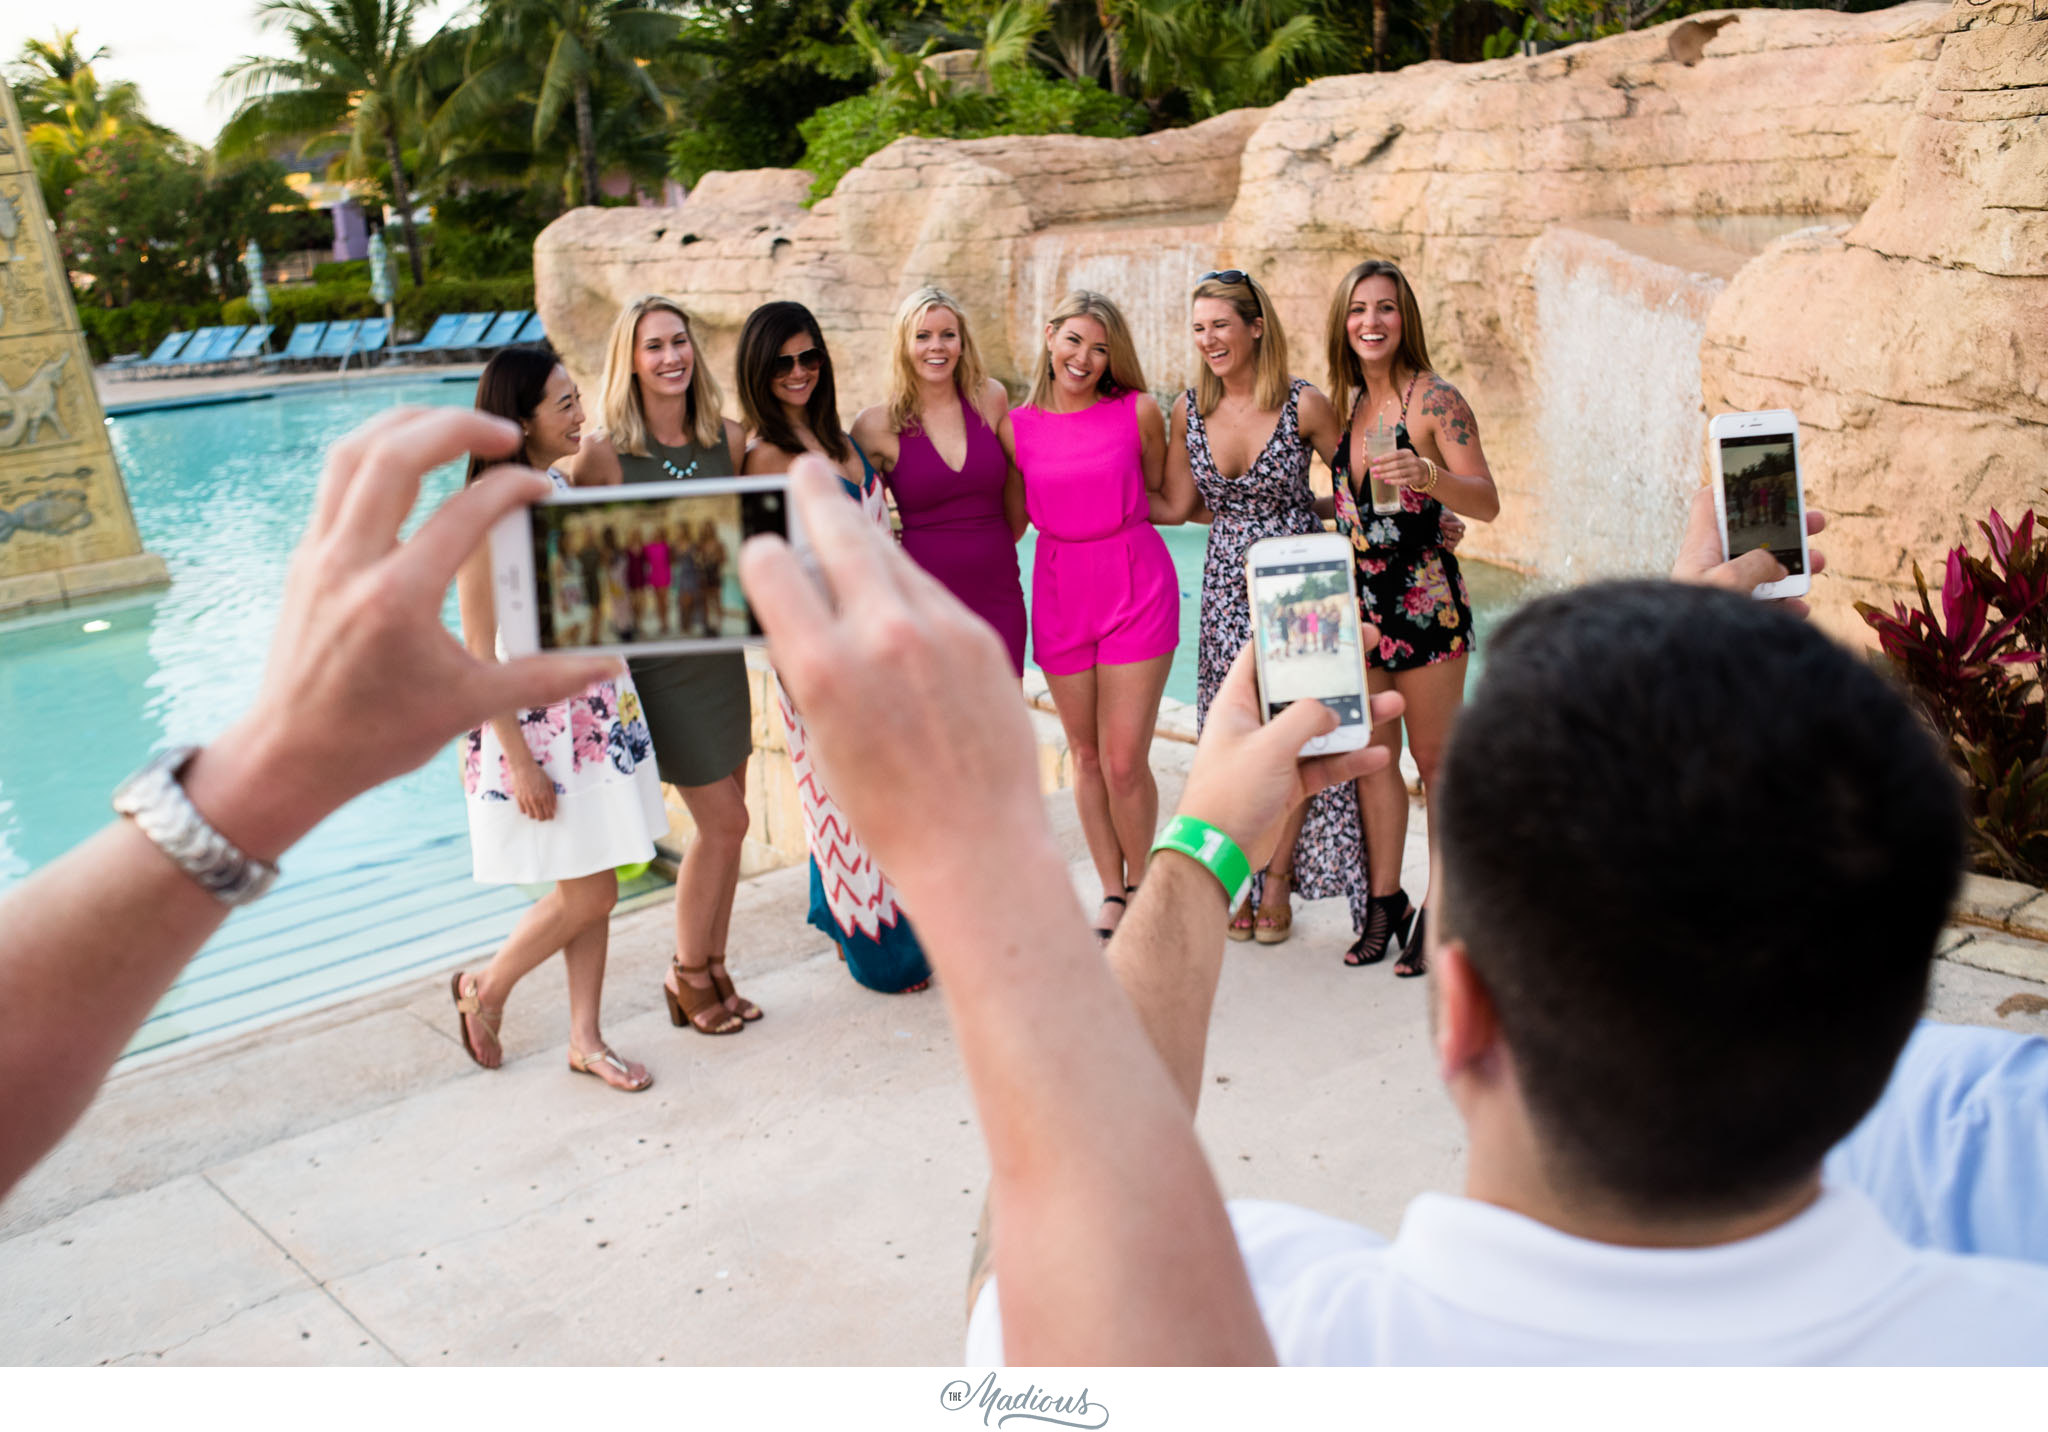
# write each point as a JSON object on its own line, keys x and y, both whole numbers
{"x": 1760, "y": 487}
{"x": 636, "y": 570}
{"x": 1307, "y": 630}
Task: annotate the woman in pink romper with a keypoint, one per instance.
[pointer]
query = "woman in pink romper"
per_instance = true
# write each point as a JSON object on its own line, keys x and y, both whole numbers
{"x": 1105, "y": 600}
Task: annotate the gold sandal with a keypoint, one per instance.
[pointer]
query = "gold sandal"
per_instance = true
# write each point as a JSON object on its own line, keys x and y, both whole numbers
{"x": 728, "y": 996}
{"x": 1274, "y": 924}
{"x": 698, "y": 1005}
{"x": 587, "y": 1064}
{"x": 468, "y": 1007}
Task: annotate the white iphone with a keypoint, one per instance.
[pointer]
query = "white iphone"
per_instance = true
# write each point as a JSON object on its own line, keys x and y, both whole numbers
{"x": 1304, "y": 603}
{"x": 640, "y": 569}
{"x": 1759, "y": 495}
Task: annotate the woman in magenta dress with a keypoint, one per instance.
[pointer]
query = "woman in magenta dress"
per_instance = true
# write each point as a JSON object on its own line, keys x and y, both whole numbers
{"x": 935, "y": 443}
{"x": 1105, "y": 600}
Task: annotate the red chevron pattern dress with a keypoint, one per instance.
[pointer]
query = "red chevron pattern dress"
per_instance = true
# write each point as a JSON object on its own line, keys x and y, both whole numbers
{"x": 851, "y": 899}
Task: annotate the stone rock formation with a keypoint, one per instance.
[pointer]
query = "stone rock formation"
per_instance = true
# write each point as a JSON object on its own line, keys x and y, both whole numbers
{"x": 1576, "y": 225}
{"x": 1914, "y": 344}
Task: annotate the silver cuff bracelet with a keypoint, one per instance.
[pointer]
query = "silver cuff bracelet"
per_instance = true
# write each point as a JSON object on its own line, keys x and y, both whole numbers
{"x": 158, "y": 805}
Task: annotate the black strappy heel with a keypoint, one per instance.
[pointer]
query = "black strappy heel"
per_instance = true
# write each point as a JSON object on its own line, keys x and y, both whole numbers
{"x": 1413, "y": 963}
{"x": 1103, "y": 932}
{"x": 1387, "y": 918}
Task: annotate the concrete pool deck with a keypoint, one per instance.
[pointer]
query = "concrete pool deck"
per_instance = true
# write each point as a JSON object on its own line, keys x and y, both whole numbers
{"x": 120, "y": 393}
{"x": 348, "y": 1188}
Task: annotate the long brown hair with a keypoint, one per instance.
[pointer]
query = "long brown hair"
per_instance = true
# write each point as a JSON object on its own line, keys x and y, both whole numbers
{"x": 768, "y": 328}
{"x": 625, "y": 418}
{"x": 1122, "y": 375}
{"x": 511, "y": 386}
{"x": 1347, "y": 374}
{"x": 1270, "y": 376}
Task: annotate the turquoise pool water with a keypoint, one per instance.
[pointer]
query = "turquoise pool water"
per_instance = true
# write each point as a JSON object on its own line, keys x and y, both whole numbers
{"x": 381, "y": 891}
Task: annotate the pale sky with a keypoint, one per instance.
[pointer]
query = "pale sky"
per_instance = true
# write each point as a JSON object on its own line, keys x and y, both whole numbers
{"x": 174, "y": 49}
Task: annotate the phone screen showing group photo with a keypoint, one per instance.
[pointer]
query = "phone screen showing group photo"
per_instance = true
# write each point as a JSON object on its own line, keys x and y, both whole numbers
{"x": 632, "y": 571}
{"x": 1307, "y": 630}
{"x": 1760, "y": 486}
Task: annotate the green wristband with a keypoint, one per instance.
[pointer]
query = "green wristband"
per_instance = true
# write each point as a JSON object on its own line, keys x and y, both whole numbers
{"x": 1214, "y": 851}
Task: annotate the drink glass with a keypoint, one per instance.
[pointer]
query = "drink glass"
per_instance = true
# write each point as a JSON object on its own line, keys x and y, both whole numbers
{"x": 1379, "y": 443}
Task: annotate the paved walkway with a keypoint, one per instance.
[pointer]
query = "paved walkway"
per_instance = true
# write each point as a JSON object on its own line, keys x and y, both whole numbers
{"x": 349, "y": 1188}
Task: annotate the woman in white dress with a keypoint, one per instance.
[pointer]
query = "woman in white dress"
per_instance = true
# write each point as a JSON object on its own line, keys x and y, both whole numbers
{"x": 564, "y": 793}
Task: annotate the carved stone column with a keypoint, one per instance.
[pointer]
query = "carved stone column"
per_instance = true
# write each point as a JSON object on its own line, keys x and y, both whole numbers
{"x": 67, "y": 534}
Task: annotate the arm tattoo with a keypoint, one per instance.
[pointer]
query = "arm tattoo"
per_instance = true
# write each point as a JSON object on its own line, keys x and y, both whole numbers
{"x": 1452, "y": 413}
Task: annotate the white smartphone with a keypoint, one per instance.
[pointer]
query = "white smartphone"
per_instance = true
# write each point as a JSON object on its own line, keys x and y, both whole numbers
{"x": 1304, "y": 603}
{"x": 641, "y": 569}
{"x": 1759, "y": 495}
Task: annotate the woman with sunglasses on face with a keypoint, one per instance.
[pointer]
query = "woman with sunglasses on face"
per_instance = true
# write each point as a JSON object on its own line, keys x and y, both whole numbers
{"x": 1105, "y": 600}
{"x": 791, "y": 405}
{"x": 1409, "y": 583}
{"x": 560, "y": 794}
{"x": 935, "y": 442}
{"x": 662, "y": 424}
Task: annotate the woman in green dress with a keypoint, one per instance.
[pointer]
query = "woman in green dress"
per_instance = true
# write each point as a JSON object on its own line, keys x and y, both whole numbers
{"x": 662, "y": 423}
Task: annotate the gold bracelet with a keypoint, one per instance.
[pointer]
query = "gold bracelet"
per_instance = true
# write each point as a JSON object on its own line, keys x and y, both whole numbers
{"x": 1429, "y": 485}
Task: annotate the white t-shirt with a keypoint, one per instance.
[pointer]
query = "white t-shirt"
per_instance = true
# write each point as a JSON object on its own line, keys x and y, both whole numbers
{"x": 1469, "y": 1283}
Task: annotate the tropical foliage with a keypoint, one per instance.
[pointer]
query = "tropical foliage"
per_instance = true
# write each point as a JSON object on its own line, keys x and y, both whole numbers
{"x": 1975, "y": 670}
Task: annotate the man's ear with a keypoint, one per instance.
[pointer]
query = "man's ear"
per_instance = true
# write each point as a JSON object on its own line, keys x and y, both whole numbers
{"x": 1464, "y": 1023}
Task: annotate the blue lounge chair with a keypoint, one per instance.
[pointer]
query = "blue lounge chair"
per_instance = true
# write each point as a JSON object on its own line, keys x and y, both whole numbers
{"x": 532, "y": 331}
{"x": 340, "y": 339}
{"x": 469, "y": 332}
{"x": 438, "y": 333}
{"x": 201, "y": 342}
{"x": 504, "y": 328}
{"x": 374, "y": 334}
{"x": 252, "y": 345}
{"x": 202, "y": 357}
{"x": 172, "y": 345}
{"x": 305, "y": 342}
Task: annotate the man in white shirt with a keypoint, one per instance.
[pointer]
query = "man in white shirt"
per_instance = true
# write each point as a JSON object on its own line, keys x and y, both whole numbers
{"x": 1694, "y": 858}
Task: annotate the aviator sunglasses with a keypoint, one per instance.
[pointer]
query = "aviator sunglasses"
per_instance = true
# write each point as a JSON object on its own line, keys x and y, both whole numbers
{"x": 811, "y": 358}
{"x": 1233, "y": 276}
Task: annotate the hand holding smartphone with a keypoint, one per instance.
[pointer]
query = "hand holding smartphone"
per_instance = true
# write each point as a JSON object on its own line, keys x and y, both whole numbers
{"x": 1305, "y": 633}
{"x": 1760, "y": 494}
{"x": 641, "y": 571}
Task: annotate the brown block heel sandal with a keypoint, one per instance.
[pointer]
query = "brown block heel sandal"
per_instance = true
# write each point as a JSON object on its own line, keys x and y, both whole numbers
{"x": 731, "y": 998}
{"x": 697, "y": 1005}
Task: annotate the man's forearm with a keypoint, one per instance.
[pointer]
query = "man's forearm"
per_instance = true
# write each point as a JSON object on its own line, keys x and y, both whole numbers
{"x": 1168, "y": 955}
{"x": 1112, "y": 1241}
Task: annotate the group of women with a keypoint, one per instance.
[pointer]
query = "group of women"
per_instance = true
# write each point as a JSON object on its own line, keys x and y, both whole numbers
{"x": 565, "y": 793}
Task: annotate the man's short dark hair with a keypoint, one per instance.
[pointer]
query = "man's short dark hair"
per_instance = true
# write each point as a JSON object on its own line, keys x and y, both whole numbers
{"x": 1699, "y": 856}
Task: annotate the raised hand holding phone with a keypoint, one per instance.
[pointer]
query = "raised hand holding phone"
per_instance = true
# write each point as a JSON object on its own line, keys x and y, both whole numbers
{"x": 1760, "y": 495}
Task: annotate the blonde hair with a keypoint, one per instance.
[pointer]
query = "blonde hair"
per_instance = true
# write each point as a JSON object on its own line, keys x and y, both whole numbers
{"x": 1347, "y": 374}
{"x": 969, "y": 376}
{"x": 625, "y": 419}
{"x": 1270, "y": 376}
{"x": 1124, "y": 375}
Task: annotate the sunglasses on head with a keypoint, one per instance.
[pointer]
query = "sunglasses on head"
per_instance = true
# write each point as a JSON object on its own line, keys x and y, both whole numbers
{"x": 1225, "y": 276}
{"x": 811, "y": 359}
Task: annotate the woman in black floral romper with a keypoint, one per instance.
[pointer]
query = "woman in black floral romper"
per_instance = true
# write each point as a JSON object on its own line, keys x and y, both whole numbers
{"x": 1409, "y": 584}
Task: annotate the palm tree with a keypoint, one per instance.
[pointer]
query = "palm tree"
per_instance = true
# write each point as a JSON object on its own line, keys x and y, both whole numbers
{"x": 354, "y": 71}
{"x": 557, "y": 55}
{"x": 65, "y": 110}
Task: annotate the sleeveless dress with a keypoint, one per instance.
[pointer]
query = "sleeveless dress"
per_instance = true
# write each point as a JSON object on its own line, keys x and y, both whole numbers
{"x": 596, "y": 749}
{"x": 851, "y": 899}
{"x": 954, "y": 527}
{"x": 1271, "y": 499}
{"x": 1103, "y": 588}
{"x": 1409, "y": 585}
{"x": 697, "y": 706}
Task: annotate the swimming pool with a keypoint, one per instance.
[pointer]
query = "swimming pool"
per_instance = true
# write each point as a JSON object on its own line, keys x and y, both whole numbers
{"x": 381, "y": 891}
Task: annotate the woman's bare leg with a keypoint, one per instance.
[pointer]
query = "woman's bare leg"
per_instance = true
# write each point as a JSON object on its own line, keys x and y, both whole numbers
{"x": 1126, "y": 715}
{"x": 709, "y": 874}
{"x": 583, "y": 959}
{"x": 551, "y": 923}
{"x": 1074, "y": 698}
{"x": 1383, "y": 800}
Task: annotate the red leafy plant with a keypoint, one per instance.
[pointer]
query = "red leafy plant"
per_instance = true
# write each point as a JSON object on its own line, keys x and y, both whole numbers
{"x": 1975, "y": 671}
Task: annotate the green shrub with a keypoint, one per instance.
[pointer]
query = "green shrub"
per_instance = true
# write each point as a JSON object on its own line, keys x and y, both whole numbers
{"x": 1022, "y": 101}
{"x": 139, "y": 327}
{"x": 343, "y": 271}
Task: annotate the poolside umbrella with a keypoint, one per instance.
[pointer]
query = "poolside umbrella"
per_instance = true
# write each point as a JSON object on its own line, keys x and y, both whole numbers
{"x": 380, "y": 272}
{"x": 259, "y": 291}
